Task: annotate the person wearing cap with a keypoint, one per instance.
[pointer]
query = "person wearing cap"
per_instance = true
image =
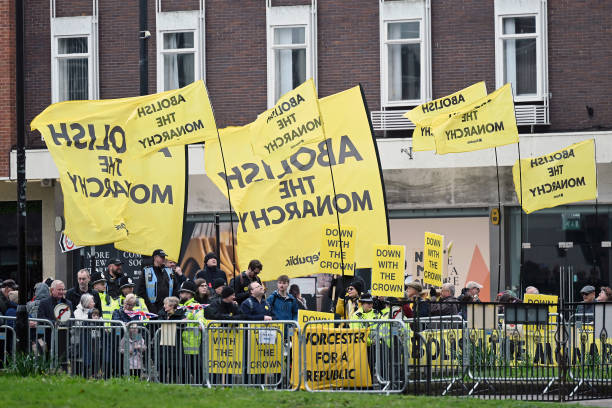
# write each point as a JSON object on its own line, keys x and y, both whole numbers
{"x": 107, "y": 303}
{"x": 5, "y": 287}
{"x": 347, "y": 306}
{"x": 211, "y": 270}
{"x": 217, "y": 287}
{"x": 126, "y": 286}
{"x": 584, "y": 311}
{"x": 224, "y": 307}
{"x": 74, "y": 294}
{"x": 365, "y": 311}
{"x": 417, "y": 306}
{"x": 242, "y": 282}
{"x": 158, "y": 282}
{"x": 190, "y": 333}
{"x": 114, "y": 271}
{"x": 187, "y": 294}
{"x": 473, "y": 289}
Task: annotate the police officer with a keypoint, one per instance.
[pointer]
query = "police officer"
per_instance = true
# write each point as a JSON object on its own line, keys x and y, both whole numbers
{"x": 158, "y": 282}
{"x": 113, "y": 273}
{"x": 107, "y": 304}
{"x": 191, "y": 335}
{"x": 365, "y": 311}
{"x": 126, "y": 286}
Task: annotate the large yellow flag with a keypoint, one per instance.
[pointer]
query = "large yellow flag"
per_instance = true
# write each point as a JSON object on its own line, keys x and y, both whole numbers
{"x": 488, "y": 122}
{"x": 423, "y": 115}
{"x": 282, "y": 206}
{"x": 562, "y": 177}
{"x": 294, "y": 121}
{"x": 113, "y": 191}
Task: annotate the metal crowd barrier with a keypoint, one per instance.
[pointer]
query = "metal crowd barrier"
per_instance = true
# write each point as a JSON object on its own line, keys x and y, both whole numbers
{"x": 253, "y": 354}
{"x": 354, "y": 356}
{"x": 8, "y": 342}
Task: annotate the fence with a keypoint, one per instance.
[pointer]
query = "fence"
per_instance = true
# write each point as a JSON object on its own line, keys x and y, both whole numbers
{"x": 489, "y": 350}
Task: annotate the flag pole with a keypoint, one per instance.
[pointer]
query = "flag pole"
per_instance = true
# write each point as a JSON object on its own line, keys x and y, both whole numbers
{"x": 499, "y": 235}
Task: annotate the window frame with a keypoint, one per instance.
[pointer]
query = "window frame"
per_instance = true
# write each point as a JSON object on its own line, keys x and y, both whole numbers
{"x": 275, "y": 47}
{"x": 165, "y": 51}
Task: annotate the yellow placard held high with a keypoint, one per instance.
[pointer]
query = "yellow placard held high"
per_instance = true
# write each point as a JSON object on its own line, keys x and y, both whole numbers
{"x": 422, "y": 116}
{"x": 305, "y": 316}
{"x": 388, "y": 270}
{"x": 488, "y": 122}
{"x": 562, "y": 177}
{"x": 295, "y": 120}
{"x": 337, "y": 250}
{"x": 433, "y": 253}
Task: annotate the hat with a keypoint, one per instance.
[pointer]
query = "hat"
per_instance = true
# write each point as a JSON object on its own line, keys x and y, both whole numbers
{"x": 587, "y": 289}
{"x": 125, "y": 282}
{"x": 210, "y": 255}
{"x": 218, "y": 282}
{"x": 48, "y": 281}
{"x": 114, "y": 261}
{"x": 189, "y": 286}
{"x": 472, "y": 284}
{"x": 357, "y": 284}
{"x": 9, "y": 283}
{"x": 159, "y": 252}
{"x": 415, "y": 285}
{"x": 97, "y": 277}
{"x": 226, "y": 292}
{"x": 366, "y": 298}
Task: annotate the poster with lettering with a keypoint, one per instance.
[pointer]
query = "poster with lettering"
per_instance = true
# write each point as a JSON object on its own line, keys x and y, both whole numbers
{"x": 433, "y": 255}
{"x": 337, "y": 250}
{"x": 388, "y": 270}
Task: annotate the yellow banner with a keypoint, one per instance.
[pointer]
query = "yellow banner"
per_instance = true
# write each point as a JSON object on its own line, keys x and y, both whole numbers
{"x": 265, "y": 349}
{"x": 433, "y": 254}
{"x": 111, "y": 194}
{"x": 305, "y": 316}
{"x": 488, "y": 122}
{"x": 423, "y": 115}
{"x": 225, "y": 350}
{"x": 562, "y": 177}
{"x": 551, "y": 299}
{"x": 172, "y": 118}
{"x": 294, "y": 120}
{"x": 337, "y": 250}
{"x": 282, "y": 206}
{"x": 388, "y": 270}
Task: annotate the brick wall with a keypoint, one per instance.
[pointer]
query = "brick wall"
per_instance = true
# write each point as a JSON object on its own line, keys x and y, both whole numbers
{"x": 8, "y": 137}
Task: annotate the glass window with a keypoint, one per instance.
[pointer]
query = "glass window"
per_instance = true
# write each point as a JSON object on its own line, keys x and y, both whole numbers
{"x": 403, "y": 61}
{"x": 520, "y": 54}
{"x": 289, "y": 59}
{"x": 73, "y": 66}
{"x": 179, "y": 59}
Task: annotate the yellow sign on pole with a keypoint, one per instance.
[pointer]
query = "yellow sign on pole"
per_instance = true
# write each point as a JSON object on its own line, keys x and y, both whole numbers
{"x": 388, "y": 270}
{"x": 305, "y": 316}
{"x": 225, "y": 350}
{"x": 337, "y": 250}
{"x": 432, "y": 259}
{"x": 551, "y": 299}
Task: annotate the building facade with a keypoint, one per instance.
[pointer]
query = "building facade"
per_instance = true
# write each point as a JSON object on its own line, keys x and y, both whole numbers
{"x": 403, "y": 52}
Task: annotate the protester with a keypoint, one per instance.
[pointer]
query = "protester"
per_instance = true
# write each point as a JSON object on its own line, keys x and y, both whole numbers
{"x": 584, "y": 311}
{"x": 284, "y": 305}
{"x": 605, "y": 294}
{"x": 107, "y": 304}
{"x": 295, "y": 291}
{"x": 126, "y": 312}
{"x": 531, "y": 290}
{"x": 473, "y": 289}
{"x": 170, "y": 310}
{"x": 447, "y": 303}
{"x": 255, "y": 307}
{"x": 46, "y": 306}
{"x": 242, "y": 282}
{"x": 126, "y": 285}
{"x": 6, "y": 287}
{"x": 217, "y": 287}
{"x": 211, "y": 270}
{"x": 11, "y": 310}
{"x": 417, "y": 305}
{"x": 348, "y": 305}
{"x": 158, "y": 282}
{"x": 74, "y": 294}
{"x": 176, "y": 270}
{"x": 41, "y": 291}
{"x": 224, "y": 307}
{"x": 202, "y": 295}
{"x": 85, "y": 306}
{"x": 168, "y": 354}
{"x": 114, "y": 271}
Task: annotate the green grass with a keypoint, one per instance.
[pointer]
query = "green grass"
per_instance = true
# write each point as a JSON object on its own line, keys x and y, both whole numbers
{"x": 59, "y": 391}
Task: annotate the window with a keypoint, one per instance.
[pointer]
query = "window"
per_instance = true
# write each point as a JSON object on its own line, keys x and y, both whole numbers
{"x": 179, "y": 56}
{"x": 291, "y": 55}
{"x": 74, "y": 56}
{"x": 180, "y": 48}
{"x": 405, "y": 53}
{"x": 521, "y": 55}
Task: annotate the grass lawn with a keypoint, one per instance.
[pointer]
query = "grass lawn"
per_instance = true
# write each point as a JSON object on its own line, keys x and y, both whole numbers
{"x": 54, "y": 391}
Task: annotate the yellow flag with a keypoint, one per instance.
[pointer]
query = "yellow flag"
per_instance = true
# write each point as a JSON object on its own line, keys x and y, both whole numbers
{"x": 294, "y": 121}
{"x": 172, "y": 118}
{"x": 107, "y": 190}
{"x": 562, "y": 177}
{"x": 423, "y": 115}
{"x": 486, "y": 123}
{"x": 282, "y": 206}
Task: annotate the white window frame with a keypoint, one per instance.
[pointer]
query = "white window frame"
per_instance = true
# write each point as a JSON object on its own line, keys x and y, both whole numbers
{"x": 181, "y": 22}
{"x": 290, "y": 17}
{"x": 75, "y": 27}
{"x": 401, "y": 11}
{"x": 523, "y": 8}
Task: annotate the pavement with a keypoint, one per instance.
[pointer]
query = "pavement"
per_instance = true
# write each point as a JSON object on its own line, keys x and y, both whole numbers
{"x": 595, "y": 403}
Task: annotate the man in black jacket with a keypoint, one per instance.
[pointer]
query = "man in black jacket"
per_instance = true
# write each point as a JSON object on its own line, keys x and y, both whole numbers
{"x": 224, "y": 307}
{"x": 447, "y": 306}
{"x": 6, "y": 287}
{"x": 242, "y": 282}
{"x": 211, "y": 271}
{"x": 112, "y": 277}
{"x": 158, "y": 282}
{"x": 47, "y": 306}
{"x": 74, "y": 294}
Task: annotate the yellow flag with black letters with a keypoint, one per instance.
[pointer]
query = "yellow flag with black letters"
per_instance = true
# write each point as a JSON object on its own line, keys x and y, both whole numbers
{"x": 423, "y": 115}
{"x": 563, "y": 177}
{"x": 486, "y": 123}
{"x": 295, "y": 120}
{"x": 283, "y": 205}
